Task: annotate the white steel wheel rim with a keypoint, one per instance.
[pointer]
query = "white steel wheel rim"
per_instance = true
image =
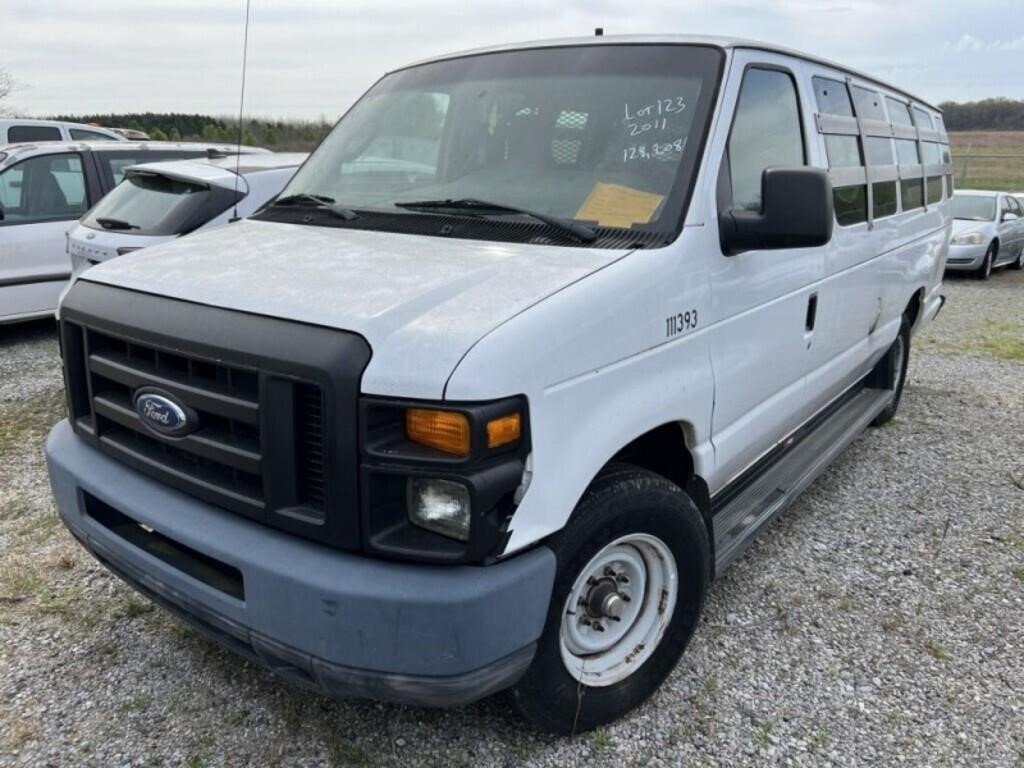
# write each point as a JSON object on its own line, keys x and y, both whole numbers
{"x": 634, "y": 576}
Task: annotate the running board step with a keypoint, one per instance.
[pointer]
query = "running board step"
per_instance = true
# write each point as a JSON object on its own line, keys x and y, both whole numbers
{"x": 738, "y": 522}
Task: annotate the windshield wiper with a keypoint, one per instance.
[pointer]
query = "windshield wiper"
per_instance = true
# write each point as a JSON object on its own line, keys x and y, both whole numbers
{"x": 116, "y": 224}
{"x": 321, "y": 202}
{"x": 485, "y": 208}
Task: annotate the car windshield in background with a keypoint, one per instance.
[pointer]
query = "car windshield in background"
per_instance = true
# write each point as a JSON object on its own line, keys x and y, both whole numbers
{"x": 151, "y": 204}
{"x": 974, "y": 207}
{"x": 607, "y": 136}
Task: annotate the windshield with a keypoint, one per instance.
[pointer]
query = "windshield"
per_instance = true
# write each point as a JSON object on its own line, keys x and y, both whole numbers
{"x": 974, "y": 207}
{"x": 606, "y": 135}
{"x": 150, "y": 204}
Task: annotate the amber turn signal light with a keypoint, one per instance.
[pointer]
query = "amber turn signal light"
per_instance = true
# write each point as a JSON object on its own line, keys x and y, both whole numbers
{"x": 444, "y": 430}
{"x": 503, "y": 431}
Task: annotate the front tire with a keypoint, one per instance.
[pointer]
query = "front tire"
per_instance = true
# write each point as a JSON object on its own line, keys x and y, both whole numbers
{"x": 893, "y": 369}
{"x": 633, "y": 569}
{"x": 984, "y": 272}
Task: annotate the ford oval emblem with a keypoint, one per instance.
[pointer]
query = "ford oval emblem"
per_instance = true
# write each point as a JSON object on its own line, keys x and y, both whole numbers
{"x": 163, "y": 413}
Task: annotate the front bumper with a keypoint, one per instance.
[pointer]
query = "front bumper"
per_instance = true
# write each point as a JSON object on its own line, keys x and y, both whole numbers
{"x": 344, "y": 624}
{"x": 965, "y": 258}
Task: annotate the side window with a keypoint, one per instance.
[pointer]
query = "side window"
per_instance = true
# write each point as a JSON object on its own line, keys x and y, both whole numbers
{"x": 766, "y": 133}
{"x": 934, "y": 190}
{"x": 33, "y": 133}
{"x": 922, "y": 119}
{"x": 832, "y": 97}
{"x": 79, "y": 134}
{"x": 906, "y": 152}
{"x": 899, "y": 112}
{"x": 1014, "y": 207}
{"x": 868, "y": 103}
{"x": 43, "y": 188}
{"x": 911, "y": 193}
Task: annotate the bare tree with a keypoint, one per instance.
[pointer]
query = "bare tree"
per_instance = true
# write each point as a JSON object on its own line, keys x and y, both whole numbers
{"x": 8, "y": 85}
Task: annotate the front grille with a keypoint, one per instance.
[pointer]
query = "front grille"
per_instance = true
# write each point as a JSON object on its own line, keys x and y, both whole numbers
{"x": 223, "y": 460}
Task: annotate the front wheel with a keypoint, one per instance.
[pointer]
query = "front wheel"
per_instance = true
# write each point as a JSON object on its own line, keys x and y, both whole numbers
{"x": 984, "y": 272}
{"x": 633, "y": 569}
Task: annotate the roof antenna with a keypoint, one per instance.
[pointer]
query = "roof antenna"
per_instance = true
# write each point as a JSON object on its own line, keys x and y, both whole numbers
{"x": 598, "y": 31}
{"x": 241, "y": 107}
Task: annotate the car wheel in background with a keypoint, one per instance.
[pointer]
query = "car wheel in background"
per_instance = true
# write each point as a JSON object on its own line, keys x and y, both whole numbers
{"x": 984, "y": 272}
{"x": 1019, "y": 262}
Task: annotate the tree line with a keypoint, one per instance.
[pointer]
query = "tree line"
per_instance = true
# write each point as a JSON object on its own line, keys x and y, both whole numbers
{"x": 280, "y": 135}
{"x": 998, "y": 114}
{"x": 985, "y": 115}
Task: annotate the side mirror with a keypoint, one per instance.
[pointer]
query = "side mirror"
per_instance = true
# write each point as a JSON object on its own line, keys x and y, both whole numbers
{"x": 796, "y": 212}
{"x": 1009, "y": 216}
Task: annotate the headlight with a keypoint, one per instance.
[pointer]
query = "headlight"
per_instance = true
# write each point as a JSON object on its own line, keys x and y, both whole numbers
{"x": 441, "y": 506}
{"x": 968, "y": 238}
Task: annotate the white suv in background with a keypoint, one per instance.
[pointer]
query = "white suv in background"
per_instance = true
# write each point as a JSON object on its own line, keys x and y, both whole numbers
{"x": 161, "y": 201}
{"x": 44, "y": 189}
{"x": 14, "y": 130}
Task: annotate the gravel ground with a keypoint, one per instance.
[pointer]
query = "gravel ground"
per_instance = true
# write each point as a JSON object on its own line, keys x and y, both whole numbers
{"x": 880, "y": 621}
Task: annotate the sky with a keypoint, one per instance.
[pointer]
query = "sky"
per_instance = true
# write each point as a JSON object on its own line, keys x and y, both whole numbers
{"x": 312, "y": 58}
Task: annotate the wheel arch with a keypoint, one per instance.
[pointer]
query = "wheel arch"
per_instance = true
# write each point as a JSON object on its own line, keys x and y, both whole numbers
{"x": 665, "y": 450}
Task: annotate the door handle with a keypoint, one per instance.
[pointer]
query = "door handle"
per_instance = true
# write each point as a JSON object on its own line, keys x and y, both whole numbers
{"x": 812, "y": 312}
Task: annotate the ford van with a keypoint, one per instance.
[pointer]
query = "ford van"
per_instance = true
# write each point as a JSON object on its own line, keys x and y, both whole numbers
{"x": 523, "y": 357}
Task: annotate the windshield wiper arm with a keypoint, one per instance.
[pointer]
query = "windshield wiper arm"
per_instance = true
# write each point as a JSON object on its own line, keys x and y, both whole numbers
{"x": 116, "y": 224}
{"x": 309, "y": 200}
{"x": 485, "y": 208}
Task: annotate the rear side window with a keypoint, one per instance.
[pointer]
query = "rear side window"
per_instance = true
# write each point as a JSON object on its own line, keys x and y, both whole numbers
{"x": 832, "y": 97}
{"x": 906, "y": 152}
{"x": 922, "y": 119}
{"x": 150, "y": 204}
{"x": 868, "y": 103}
{"x": 79, "y": 134}
{"x": 899, "y": 112}
{"x": 112, "y": 164}
{"x": 33, "y": 133}
{"x": 912, "y": 193}
{"x": 43, "y": 188}
{"x": 766, "y": 133}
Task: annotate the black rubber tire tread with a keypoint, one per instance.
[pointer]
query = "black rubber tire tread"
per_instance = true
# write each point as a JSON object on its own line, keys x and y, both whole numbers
{"x": 1019, "y": 263}
{"x": 890, "y": 410}
{"x": 622, "y": 499}
{"x": 984, "y": 272}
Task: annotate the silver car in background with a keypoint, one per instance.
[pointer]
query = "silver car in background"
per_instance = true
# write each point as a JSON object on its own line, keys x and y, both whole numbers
{"x": 988, "y": 232}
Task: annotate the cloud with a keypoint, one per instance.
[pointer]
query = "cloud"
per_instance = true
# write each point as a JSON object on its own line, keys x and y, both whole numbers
{"x": 315, "y": 57}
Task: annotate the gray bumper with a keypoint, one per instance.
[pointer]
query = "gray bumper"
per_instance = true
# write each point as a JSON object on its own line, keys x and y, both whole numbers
{"x": 338, "y": 622}
{"x": 965, "y": 258}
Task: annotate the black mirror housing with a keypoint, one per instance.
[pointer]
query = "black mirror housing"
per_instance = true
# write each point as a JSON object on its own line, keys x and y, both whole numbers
{"x": 796, "y": 212}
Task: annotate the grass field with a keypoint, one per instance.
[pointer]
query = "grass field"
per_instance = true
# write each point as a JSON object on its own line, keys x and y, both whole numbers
{"x": 988, "y": 159}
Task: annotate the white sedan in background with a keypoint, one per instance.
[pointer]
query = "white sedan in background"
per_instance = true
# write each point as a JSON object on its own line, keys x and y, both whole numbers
{"x": 161, "y": 201}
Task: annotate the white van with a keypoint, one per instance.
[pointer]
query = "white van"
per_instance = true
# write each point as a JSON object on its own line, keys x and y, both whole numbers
{"x": 14, "y": 130}
{"x": 523, "y": 357}
{"x": 44, "y": 189}
{"x": 162, "y": 201}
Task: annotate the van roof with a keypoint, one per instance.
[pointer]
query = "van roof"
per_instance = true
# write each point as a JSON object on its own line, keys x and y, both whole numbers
{"x": 724, "y": 43}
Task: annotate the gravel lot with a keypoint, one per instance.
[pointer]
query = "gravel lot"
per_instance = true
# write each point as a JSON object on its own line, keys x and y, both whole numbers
{"x": 879, "y": 622}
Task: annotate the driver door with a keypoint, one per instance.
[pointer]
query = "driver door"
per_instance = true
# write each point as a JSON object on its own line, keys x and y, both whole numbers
{"x": 764, "y": 303}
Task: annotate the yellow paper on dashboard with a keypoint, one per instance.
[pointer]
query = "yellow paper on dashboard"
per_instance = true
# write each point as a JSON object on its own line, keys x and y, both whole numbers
{"x": 613, "y": 205}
